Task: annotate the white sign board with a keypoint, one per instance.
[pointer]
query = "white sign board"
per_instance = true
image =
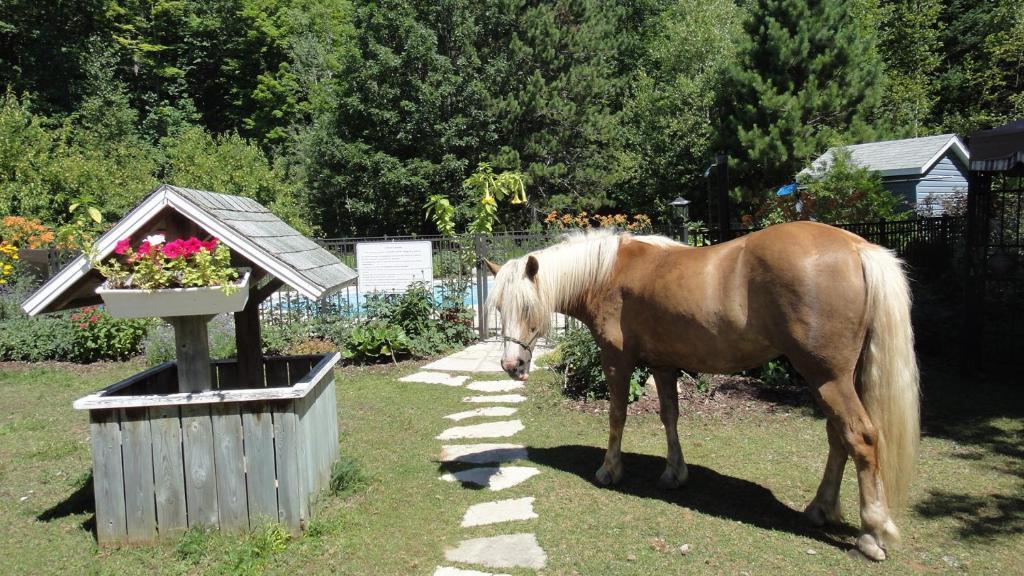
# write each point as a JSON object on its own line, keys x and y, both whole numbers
{"x": 392, "y": 266}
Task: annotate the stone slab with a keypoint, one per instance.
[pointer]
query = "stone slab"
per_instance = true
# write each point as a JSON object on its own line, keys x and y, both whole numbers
{"x": 449, "y": 571}
{"x": 499, "y": 511}
{"x": 492, "y": 477}
{"x": 489, "y": 411}
{"x": 508, "y": 551}
{"x": 496, "y": 398}
{"x": 501, "y": 429}
{"x": 435, "y": 378}
{"x": 495, "y": 386}
{"x": 483, "y": 453}
{"x": 484, "y": 357}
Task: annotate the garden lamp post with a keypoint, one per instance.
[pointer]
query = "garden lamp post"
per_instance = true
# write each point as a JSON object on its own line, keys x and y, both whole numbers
{"x": 681, "y": 213}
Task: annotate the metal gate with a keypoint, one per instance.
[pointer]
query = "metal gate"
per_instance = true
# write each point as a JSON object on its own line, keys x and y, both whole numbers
{"x": 995, "y": 251}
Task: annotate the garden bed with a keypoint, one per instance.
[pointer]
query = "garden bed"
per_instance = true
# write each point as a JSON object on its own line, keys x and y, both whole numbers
{"x": 725, "y": 396}
{"x": 230, "y": 457}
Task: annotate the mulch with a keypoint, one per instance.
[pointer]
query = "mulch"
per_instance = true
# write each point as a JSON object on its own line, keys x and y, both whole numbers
{"x": 726, "y": 396}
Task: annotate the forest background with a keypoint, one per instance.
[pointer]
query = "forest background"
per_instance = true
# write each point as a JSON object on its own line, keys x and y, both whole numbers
{"x": 344, "y": 116}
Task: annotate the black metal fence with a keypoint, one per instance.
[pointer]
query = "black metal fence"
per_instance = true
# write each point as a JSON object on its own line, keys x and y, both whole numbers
{"x": 922, "y": 241}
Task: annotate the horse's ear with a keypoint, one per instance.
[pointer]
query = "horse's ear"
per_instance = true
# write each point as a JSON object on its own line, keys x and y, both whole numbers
{"x": 494, "y": 268}
{"x": 531, "y": 268}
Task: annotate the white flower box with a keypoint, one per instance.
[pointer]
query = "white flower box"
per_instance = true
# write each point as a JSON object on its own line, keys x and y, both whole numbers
{"x": 167, "y": 302}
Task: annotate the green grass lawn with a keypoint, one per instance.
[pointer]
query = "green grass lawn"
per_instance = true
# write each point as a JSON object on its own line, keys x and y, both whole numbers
{"x": 750, "y": 475}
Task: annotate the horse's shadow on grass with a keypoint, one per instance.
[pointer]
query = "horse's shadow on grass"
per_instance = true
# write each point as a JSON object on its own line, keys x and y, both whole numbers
{"x": 81, "y": 501}
{"x": 706, "y": 491}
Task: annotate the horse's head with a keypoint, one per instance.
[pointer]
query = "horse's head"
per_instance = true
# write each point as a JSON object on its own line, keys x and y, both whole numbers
{"x": 524, "y": 315}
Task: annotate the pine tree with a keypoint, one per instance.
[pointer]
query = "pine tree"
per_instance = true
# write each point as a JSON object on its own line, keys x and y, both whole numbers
{"x": 809, "y": 76}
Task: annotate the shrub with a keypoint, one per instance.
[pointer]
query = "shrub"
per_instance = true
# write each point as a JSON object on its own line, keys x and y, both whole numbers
{"x": 579, "y": 359}
{"x": 376, "y": 340}
{"x": 779, "y": 372}
{"x": 100, "y": 336}
{"x": 159, "y": 344}
{"x": 25, "y": 339}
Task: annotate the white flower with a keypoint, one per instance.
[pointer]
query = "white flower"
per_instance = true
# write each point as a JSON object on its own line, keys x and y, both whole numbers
{"x": 156, "y": 239}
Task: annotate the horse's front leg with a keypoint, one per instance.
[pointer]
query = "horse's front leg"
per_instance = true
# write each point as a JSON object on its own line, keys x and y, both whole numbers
{"x": 617, "y": 370}
{"x": 675, "y": 474}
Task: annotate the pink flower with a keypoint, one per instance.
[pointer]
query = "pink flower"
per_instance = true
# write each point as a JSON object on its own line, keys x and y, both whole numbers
{"x": 175, "y": 249}
{"x": 192, "y": 245}
{"x": 210, "y": 245}
{"x": 145, "y": 248}
{"x": 83, "y": 325}
{"x": 123, "y": 246}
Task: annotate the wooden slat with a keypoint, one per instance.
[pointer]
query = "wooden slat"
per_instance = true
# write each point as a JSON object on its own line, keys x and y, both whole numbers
{"x": 107, "y": 477}
{"x": 332, "y": 427}
{"x": 230, "y": 464}
{"x": 286, "y": 452}
{"x": 168, "y": 470}
{"x": 260, "y": 478}
{"x": 277, "y": 372}
{"x": 302, "y": 456}
{"x": 200, "y": 468}
{"x": 137, "y": 457}
{"x": 227, "y": 375}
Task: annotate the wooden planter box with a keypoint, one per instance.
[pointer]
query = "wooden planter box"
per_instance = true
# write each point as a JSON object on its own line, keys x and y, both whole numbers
{"x": 231, "y": 457}
{"x": 167, "y": 302}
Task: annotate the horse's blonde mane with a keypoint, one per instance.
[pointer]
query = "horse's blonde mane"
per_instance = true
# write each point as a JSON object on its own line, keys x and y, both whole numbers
{"x": 566, "y": 270}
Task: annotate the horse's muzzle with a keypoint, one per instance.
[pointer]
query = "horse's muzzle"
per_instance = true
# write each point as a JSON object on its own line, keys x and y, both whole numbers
{"x": 518, "y": 368}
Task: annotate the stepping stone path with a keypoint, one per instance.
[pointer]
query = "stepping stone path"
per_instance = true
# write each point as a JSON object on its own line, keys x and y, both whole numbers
{"x": 496, "y": 386}
{"x": 435, "y": 378}
{"x": 492, "y": 478}
{"x": 500, "y": 511}
{"x": 500, "y": 399}
{"x": 488, "y": 411}
{"x": 502, "y": 429}
{"x": 513, "y": 550}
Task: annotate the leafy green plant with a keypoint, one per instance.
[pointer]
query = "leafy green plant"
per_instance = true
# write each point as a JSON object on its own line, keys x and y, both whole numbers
{"x": 779, "y": 372}
{"x": 100, "y": 336}
{"x": 347, "y": 476}
{"x": 376, "y": 340}
{"x": 580, "y": 362}
{"x": 49, "y": 337}
{"x": 487, "y": 188}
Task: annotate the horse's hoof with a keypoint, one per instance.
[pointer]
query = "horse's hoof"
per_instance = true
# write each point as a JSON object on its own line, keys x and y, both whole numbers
{"x": 606, "y": 477}
{"x": 819, "y": 515}
{"x": 672, "y": 479}
{"x": 870, "y": 547}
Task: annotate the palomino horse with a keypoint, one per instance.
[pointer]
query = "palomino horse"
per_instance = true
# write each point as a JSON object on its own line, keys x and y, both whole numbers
{"x": 836, "y": 305}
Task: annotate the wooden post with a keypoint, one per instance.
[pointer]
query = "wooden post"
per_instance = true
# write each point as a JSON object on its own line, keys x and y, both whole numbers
{"x": 192, "y": 345}
{"x": 249, "y": 339}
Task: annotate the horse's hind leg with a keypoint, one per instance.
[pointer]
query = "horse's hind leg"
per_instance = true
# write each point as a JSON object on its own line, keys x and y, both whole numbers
{"x": 668, "y": 395}
{"x": 825, "y": 508}
{"x": 617, "y": 371}
{"x": 859, "y": 436}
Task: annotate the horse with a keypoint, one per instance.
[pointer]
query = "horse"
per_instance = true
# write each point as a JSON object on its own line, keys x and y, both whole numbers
{"x": 836, "y": 305}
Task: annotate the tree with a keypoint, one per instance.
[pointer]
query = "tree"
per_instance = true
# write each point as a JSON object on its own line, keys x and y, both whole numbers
{"x": 808, "y": 76}
{"x": 910, "y": 47}
{"x": 672, "y": 114}
{"x": 231, "y": 165}
{"x": 847, "y": 192}
{"x": 982, "y": 84}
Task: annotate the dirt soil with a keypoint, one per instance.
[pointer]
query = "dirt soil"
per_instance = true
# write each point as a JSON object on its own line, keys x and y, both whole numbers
{"x": 727, "y": 396}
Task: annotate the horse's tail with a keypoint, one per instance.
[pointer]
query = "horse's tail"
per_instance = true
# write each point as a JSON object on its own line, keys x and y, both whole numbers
{"x": 888, "y": 371}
